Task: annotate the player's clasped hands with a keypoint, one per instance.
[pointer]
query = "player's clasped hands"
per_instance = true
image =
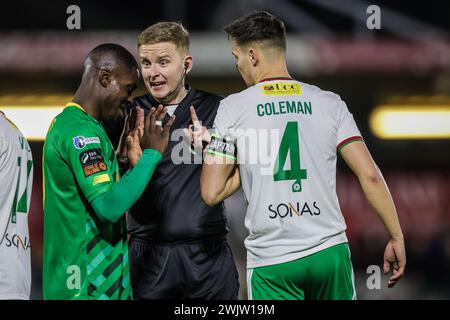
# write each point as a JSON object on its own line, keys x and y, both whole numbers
{"x": 142, "y": 132}
{"x": 156, "y": 135}
{"x": 129, "y": 149}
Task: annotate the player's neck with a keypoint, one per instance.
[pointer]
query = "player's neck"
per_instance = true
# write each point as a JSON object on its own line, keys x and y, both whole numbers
{"x": 85, "y": 97}
{"x": 276, "y": 71}
{"x": 87, "y": 103}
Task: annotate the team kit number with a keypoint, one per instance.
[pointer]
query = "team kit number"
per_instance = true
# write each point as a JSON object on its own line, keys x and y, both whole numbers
{"x": 21, "y": 205}
{"x": 290, "y": 144}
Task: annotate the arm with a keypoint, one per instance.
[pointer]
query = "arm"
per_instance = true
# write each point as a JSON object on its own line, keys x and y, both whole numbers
{"x": 110, "y": 200}
{"x": 377, "y": 193}
{"x": 218, "y": 180}
{"x": 220, "y": 174}
{"x": 111, "y": 205}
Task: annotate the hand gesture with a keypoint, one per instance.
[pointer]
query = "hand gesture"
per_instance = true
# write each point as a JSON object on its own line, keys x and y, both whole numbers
{"x": 129, "y": 149}
{"x": 155, "y": 135}
{"x": 196, "y": 133}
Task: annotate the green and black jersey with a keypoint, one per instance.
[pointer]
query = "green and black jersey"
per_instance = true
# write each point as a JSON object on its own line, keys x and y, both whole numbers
{"x": 84, "y": 256}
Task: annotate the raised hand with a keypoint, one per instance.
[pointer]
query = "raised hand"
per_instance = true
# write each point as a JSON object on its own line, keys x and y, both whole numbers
{"x": 129, "y": 149}
{"x": 196, "y": 133}
{"x": 155, "y": 135}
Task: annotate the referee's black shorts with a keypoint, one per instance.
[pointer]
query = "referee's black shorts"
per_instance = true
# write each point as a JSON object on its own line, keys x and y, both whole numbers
{"x": 202, "y": 269}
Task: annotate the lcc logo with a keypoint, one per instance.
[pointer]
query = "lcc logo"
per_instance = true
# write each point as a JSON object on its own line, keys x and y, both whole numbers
{"x": 289, "y": 209}
{"x": 281, "y": 88}
{"x": 17, "y": 241}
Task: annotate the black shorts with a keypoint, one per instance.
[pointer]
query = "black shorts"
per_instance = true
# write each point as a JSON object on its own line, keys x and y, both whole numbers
{"x": 196, "y": 270}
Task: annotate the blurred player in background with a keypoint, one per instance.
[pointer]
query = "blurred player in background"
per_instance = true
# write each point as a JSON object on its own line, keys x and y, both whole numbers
{"x": 297, "y": 246}
{"x": 178, "y": 248}
{"x": 16, "y": 176}
{"x": 85, "y": 200}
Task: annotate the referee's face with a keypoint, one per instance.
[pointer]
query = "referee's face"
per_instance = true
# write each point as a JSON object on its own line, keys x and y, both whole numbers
{"x": 163, "y": 70}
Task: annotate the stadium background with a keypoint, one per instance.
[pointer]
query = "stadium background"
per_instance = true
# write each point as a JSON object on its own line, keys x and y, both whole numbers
{"x": 406, "y": 63}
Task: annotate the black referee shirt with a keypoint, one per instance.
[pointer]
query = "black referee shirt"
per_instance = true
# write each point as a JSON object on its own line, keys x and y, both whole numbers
{"x": 171, "y": 208}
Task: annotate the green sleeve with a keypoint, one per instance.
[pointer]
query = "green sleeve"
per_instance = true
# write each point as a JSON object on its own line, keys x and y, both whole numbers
{"x": 91, "y": 158}
{"x": 113, "y": 204}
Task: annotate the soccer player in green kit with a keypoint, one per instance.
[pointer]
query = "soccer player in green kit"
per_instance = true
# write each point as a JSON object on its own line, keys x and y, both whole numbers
{"x": 85, "y": 200}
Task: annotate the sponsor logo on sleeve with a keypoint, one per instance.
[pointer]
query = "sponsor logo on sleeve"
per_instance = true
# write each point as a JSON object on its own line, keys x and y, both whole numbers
{"x": 80, "y": 142}
{"x": 92, "y": 162}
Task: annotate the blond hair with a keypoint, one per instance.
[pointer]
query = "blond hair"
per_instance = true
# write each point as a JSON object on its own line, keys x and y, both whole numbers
{"x": 169, "y": 31}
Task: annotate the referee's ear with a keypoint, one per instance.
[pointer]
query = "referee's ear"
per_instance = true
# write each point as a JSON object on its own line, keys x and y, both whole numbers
{"x": 188, "y": 64}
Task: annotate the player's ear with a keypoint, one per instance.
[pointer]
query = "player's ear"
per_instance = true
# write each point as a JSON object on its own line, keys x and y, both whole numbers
{"x": 253, "y": 56}
{"x": 105, "y": 77}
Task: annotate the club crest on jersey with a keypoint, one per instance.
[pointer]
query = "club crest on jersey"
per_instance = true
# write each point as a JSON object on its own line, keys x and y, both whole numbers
{"x": 281, "y": 89}
{"x": 80, "y": 142}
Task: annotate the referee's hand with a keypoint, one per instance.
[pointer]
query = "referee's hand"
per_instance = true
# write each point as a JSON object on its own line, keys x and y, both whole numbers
{"x": 156, "y": 136}
{"x": 196, "y": 133}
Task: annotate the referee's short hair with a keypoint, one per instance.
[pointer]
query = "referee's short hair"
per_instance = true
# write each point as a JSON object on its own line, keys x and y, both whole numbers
{"x": 260, "y": 26}
{"x": 168, "y": 31}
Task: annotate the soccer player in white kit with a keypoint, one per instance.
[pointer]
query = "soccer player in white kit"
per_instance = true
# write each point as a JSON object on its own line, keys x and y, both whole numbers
{"x": 16, "y": 180}
{"x": 297, "y": 246}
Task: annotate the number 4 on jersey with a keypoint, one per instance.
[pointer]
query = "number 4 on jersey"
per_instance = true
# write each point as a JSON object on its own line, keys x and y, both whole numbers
{"x": 290, "y": 143}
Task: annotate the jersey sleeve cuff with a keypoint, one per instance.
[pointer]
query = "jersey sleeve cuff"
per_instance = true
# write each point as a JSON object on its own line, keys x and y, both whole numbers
{"x": 348, "y": 141}
{"x": 152, "y": 154}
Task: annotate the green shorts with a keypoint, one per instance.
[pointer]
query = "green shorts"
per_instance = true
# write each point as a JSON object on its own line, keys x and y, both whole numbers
{"x": 325, "y": 275}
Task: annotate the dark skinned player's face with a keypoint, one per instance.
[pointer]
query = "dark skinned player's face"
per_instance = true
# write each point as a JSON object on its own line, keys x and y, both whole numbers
{"x": 123, "y": 83}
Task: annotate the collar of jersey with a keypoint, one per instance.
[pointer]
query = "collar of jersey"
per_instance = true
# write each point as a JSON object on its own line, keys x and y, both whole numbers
{"x": 276, "y": 79}
{"x": 76, "y": 105}
{"x": 7, "y": 119}
{"x": 188, "y": 96}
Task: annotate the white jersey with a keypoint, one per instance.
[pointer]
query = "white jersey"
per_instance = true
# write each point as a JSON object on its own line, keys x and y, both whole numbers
{"x": 16, "y": 176}
{"x": 287, "y": 136}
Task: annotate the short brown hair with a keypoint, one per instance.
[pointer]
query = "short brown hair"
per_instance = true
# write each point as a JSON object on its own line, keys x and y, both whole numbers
{"x": 168, "y": 31}
{"x": 259, "y": 26}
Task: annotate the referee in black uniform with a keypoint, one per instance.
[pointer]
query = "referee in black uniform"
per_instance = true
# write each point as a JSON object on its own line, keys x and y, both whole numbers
{"x": 178, "y": 248}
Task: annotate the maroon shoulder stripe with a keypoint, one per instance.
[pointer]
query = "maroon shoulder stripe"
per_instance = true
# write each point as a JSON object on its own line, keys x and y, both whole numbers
{"x": 349, "y": 140}
{"x": 273, "y": 79}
